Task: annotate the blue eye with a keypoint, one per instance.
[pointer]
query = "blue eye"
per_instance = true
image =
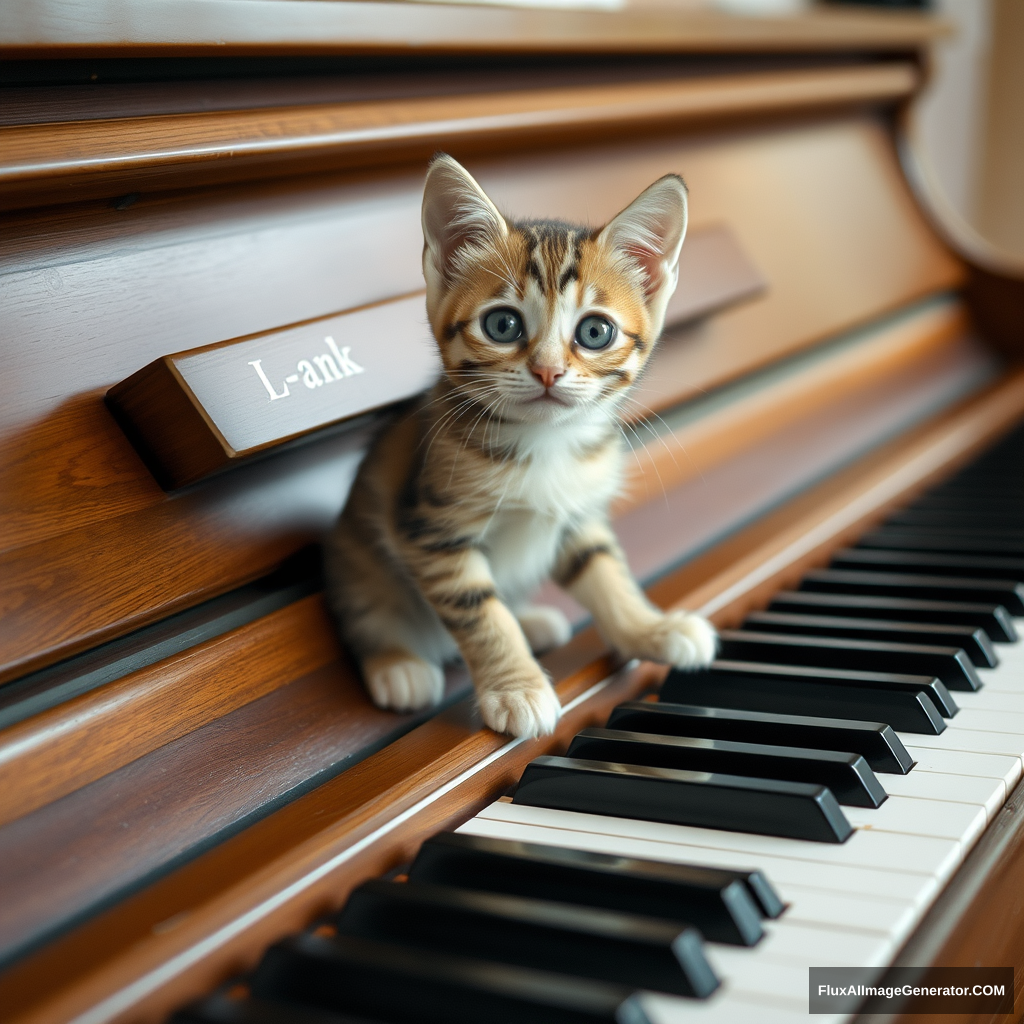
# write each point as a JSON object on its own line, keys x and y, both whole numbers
{"x": 503, "y": 326}
{"x": 595, "y": 332}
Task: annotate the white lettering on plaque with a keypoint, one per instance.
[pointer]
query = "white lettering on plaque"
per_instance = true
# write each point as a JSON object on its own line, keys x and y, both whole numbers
{"x": 255, "y": 364}
{"x": 334, "y": 365}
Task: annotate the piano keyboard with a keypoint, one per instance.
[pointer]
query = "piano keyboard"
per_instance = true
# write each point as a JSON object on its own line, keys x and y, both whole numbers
{"x": 801, "y": 803}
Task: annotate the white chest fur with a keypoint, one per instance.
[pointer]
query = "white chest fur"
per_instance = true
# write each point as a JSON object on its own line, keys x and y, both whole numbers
{"x": 553, "y": 486}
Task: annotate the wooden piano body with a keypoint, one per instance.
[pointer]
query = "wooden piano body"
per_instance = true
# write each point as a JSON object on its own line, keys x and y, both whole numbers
{"x": 189, "y": 767}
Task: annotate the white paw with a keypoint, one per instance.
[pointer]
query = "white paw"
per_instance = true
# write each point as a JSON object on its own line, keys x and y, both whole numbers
{"x": 528, "y": 709}
{"x": 403, "y": 682}
{"x": 545, "y": 627}
{"x": 678, "y": 639}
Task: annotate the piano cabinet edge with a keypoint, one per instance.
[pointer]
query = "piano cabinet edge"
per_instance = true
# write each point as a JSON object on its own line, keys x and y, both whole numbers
{"x": 180, "y": 937}
{"x": 978, "y": 919}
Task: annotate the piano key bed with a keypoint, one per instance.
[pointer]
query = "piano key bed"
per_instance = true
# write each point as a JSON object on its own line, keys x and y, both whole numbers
{"x": 800, "y": 803}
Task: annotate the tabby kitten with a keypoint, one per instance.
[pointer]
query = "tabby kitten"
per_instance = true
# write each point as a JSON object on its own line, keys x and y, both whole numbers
{"x": 502, "y": 475}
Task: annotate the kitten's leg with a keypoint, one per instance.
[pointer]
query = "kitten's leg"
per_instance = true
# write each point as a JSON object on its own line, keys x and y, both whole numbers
{"x": 402, "y": 681}
{"x": 513, "y": 692}
{"x": 545, "y": 627}
{"x": 592, "y": 568}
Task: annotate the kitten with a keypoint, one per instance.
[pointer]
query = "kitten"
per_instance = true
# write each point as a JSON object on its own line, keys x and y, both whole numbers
{"x": 502, "y": 475}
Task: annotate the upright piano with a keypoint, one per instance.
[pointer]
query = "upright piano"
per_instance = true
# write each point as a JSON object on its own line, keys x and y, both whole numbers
{"x": 199, "y": 195}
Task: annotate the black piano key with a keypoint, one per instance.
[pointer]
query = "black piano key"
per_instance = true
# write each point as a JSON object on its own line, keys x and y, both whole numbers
{"x": 404, "y": 984}
{"x": 876, "y": 742}
{"x": 945, "y": 518}
{"x": 904, "y": 702}
{"x": 973, "y": 641}
{"x": 771, "y": 807}
{"x": 922, "y": 586}
{"x": 229, "y": 1008}
{"x": 725, "y": 905}
{"x": 981, "y": 542}
{"x": 848, "y": 775}
{"x": 937, "y": 563}
{"x": 948, "y": 664}
{"x": 625, "y": 949}
{"x": 993, "y": 618}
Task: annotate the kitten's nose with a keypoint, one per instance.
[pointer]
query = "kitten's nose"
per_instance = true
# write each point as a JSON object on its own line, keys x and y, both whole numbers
{"x": 547, "y": 375}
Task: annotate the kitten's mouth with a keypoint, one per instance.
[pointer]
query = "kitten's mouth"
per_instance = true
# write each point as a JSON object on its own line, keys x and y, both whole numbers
{"x": 548, "y": 398}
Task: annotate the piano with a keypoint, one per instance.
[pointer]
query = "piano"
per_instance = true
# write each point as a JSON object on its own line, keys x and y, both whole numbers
{"x": 203, "y": 818}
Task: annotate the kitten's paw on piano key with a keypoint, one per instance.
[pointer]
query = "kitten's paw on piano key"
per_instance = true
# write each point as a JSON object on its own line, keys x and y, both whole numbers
{"x": 525, "y": 709}
{"x": 403, "y": 682}
{"x": 678, "y": 639}
{"x": 545, "y": 627}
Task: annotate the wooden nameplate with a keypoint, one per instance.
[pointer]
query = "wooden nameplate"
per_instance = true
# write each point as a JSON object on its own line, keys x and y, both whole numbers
{"x": 195, "y": 413}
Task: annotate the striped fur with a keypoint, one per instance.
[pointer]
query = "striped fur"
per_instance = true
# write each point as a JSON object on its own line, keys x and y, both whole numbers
{"x": 502, "y": 475}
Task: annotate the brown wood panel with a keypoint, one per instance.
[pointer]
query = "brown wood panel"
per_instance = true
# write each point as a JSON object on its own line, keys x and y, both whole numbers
{"x": 819, "y": 206}
{"x": 50, "y": 28}
{"x": 100, "y": 841}
{"x": 77, "y": 589}
{"x": 688, "y": 451}
{"x": 213, "y": 917}
{"x": 71, "y": 160}
{"x": 71, "y": 745}
{"x": 93, "y": 296}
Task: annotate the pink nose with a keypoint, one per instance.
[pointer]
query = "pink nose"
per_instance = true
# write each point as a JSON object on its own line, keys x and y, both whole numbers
{"x": 547, "y": 375}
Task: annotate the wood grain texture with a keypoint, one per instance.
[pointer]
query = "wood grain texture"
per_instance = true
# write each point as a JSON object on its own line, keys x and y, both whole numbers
{"x": 71, "y": 745}
{"x": 87, "y": 585}
{"x": 95, "y": 549}
{"x": 101, "y": 27}
{"x": 753, "y": 415}
{"x": 100, "y": 842}
{"x": 87, "y": 159}
{"x": 179, "y": 937}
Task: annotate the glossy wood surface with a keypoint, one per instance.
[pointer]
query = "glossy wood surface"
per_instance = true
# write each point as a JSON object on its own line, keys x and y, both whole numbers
{"x": 62, "y": 749}
{"x": 94, "y": 548}
{"x": 86, "y": 159}
{"x": 913, "y": 343}
{"x": 195, "y": 413}
{"x": 212, "y": 917}
{"x": 62, "y": 27}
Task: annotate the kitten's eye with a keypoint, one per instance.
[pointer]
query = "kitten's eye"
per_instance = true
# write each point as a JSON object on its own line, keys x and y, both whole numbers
{"x": 503, "y": 325}
{"x": 595, "y": 332}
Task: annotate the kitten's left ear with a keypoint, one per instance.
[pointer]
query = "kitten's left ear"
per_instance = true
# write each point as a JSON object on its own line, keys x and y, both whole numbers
{"x": 650, "y": 231}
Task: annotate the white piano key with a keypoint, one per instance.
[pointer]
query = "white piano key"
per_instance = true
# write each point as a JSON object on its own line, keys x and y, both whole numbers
{"x": 732, "y": 1007}
{"x": 962, "y": 762}
{"x": 964, "y": 789}
{"x": 909, "y": 815}
{"x": 887, "y": 850}
{"x": 867, "y": 913}
{"x": 755, "y": 974}
{"x": 989, "y": 699}
{"x": 802, "y": 943}
{"x": 901, "y": 886}
{"x": 989, "y": 720}
{"x": 971, "y": 741}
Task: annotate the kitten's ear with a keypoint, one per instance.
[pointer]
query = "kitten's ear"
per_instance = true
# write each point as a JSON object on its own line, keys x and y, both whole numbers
{"x": 456, "y": 213}
{"x": 650, "y": 231}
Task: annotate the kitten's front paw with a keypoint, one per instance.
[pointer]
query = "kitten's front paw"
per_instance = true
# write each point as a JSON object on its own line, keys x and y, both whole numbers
{"x": 678, "y": 639}
{"x": 545, "y": 627}
{"x": 403, "y": 682}
{"x": 526, "y": 709}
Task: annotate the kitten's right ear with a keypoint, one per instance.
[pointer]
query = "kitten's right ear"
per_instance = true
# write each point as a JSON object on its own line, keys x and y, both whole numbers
{"x": 456, "y": 213}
